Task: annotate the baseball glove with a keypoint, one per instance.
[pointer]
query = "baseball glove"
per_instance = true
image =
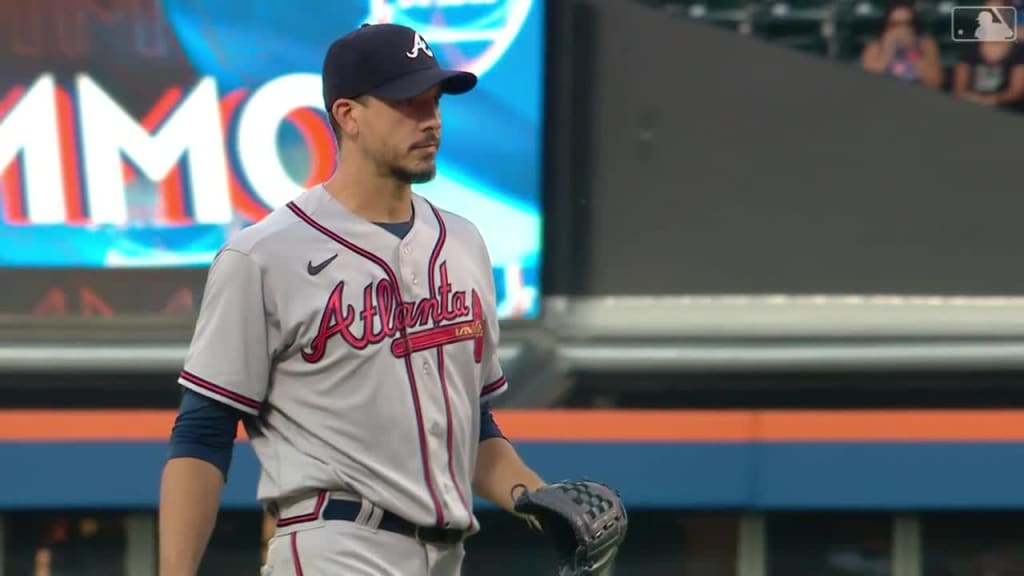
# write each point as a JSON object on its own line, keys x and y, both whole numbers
{"x": 585, "y": 520}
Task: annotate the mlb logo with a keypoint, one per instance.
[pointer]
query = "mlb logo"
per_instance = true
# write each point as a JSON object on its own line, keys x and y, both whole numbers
{"x": 984, "y": 24}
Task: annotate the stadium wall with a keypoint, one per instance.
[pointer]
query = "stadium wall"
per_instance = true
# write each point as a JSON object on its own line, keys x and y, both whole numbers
{"x": 740, "y": 166}
{"x": 733, "y": 459}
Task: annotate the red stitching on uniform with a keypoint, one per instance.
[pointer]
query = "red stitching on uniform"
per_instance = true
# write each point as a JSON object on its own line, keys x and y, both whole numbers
{"x": 425, "y": 459}
{"x": 295, "y": 554}
{"x": 221, "y": 391}
{"x": 438, "y": 512}
{"x": 442, "y": 236}
{"x": 321, "y": 500}
{"x": 448, "y": 416}
{"x": 434, "y": 255}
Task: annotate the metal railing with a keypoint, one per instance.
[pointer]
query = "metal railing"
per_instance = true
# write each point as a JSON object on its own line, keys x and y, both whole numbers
{"x": 671, "y": 333}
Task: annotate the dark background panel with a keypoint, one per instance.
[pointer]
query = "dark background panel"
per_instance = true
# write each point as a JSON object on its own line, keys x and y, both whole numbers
{"x": 843, "y": 544}
{"x": 80, "y": 293}
{"x": 733, "y": 390}
{"x": 718, "y": 163}
{"x": 79, "y": 543}
{"x": 964, "y": 543}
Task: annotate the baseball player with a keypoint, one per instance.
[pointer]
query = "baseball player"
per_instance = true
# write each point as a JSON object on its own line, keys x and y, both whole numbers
{"x": 354, "y": 334}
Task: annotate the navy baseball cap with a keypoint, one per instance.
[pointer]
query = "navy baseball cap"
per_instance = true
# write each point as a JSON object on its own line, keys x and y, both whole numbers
{"x": 388, "y": 61}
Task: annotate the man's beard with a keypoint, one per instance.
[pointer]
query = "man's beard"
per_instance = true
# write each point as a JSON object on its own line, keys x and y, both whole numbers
{"x": 420, "y": 176}
{"x": 409, "y": 177}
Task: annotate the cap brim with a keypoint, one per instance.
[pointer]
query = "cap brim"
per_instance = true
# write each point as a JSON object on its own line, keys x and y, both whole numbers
{"x": 410, "y": 85}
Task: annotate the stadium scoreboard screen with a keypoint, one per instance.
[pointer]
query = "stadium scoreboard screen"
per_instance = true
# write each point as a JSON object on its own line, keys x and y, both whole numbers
{"x": 136, "y": 136}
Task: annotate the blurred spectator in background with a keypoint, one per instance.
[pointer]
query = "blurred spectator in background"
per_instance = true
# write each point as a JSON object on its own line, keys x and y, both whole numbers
{"x": 991, "y": 72}
{"x": 902, "y": 50}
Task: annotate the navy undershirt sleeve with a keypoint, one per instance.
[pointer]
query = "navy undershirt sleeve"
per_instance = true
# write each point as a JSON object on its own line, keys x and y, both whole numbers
{"x": 205, "y": 429}
{"x": 488, "y": 426}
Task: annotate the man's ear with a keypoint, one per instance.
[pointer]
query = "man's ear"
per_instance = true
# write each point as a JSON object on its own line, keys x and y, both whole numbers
{"x": 346, "y": 115}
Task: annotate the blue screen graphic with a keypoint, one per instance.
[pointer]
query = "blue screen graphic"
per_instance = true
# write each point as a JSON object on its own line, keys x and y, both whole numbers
{"x": 146, "y": 140}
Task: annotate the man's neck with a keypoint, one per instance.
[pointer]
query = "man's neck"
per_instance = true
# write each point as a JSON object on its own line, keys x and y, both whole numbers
{"x": 371, "y": 196}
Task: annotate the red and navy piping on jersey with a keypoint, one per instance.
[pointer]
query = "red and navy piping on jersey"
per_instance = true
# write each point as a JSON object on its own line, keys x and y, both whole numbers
{"x": 392, "y": 277}
{"x": 235, "y": 397}
{"x": 318, "y": 508}
{"x": 493, "y": 387}
{"x": 442, "y": 235}
{"x": 296, "y": 563}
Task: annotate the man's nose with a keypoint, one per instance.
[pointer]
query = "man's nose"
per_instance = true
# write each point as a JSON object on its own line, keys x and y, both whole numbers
{"x": 432, "y": 116}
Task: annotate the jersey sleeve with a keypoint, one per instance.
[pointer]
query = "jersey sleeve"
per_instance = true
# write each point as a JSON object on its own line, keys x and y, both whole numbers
{"x": 228, "y": 359}
{"x": 494, "y": 382}
{"x": 205, "y": 429}
{"x": 488, "y": 425}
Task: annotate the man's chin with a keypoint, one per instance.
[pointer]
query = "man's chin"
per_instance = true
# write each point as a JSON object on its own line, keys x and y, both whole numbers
{"x": 421, "y": 176}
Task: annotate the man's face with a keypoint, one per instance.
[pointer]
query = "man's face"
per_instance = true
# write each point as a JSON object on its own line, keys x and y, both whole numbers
{"x": 403, "y": 137}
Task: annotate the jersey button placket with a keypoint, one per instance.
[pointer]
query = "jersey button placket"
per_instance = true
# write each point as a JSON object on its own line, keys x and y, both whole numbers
{"x": 449, "y": 495}
{"x": 413, "y": 290}
{"x": 408, "y": 267}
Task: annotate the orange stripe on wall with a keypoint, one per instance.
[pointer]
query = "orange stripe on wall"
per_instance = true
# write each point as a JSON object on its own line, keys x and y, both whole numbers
{"x": 625, "y": 426}
{"x": 908, "y": 425}
{"x": 85, "y": 425}
{"x": 596, "y": 425}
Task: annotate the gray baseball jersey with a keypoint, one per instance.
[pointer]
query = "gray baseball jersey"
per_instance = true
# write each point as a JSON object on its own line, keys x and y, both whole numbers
{"x": 364, "y": 356}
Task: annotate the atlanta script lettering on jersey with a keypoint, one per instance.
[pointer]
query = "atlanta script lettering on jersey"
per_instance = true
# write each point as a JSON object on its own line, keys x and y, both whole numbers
{"x": 382, "y": 316}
